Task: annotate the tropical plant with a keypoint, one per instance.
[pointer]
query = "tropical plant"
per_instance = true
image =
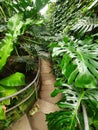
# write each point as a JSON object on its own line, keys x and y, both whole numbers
{"x": 74, "y": 57}
{"x": 78, "y": 66}
{"x": 16, "y": 17}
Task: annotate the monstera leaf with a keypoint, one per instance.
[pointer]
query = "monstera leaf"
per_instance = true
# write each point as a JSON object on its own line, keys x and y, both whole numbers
{"x": 69, "y": 116}
{"x": 86, "y": 24}
{"x": 70, "y": 103}
{"x": 79, "y": 62}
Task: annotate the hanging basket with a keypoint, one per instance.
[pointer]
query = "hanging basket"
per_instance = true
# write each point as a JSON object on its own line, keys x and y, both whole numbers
{"x": 23, "y": 100}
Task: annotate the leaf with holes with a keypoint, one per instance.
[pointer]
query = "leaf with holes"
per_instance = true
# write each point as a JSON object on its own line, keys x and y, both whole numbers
{"x": 70, "y": 105}
{"x": 79, "y": 62}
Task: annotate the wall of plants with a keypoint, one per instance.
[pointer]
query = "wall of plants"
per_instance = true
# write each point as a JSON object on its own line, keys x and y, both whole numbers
{"x": 75, "y": 61}
{"x": 20, "y": 22}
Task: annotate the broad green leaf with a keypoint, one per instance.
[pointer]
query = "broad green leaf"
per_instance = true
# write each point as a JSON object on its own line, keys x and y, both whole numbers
{"x": 67, "y": 118}
{"x": 5, "y": 50}
{"x": 85, "y": 79}
{"x": 17, "y": 79}
{"x": 78, "y": 62}
{"x": 14, "y": 26}
{"x": 61, "y": 121}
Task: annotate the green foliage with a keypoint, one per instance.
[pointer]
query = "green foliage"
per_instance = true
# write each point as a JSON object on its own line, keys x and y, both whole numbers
{"x": 2, "y": 112}
{"x": 7, "y": 46}
{"x": 28, "y": 8}
{"x": 79, "y": 61}
{"x": 70, "y": 104}
{"x": 75, "y": 58}
{"x": 86, "y": 24}
{"x": 16, "y": 19}
{"x": 75, "y": 14}
{"x": 8, "y": 85}
{"x": 16, "y": 79}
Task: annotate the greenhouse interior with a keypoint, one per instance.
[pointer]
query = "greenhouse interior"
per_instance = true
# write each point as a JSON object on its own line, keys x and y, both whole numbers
{"x": 48, "y": 64}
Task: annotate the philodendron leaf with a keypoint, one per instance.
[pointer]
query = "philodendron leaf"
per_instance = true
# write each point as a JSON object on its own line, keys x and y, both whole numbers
{"x": 5, "y": 50}
{"x": 67, "y": 118}
{"x": 79, "y": 63}
{"x": 17, "y": 79}
{"x": 2, "y": 112}
{"x": 14, "y": 29}
{"x": 15, "y": 24}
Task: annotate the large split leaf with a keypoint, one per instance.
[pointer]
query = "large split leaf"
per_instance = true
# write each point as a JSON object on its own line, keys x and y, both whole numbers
{"x": 67, "y": 118}
{"x": 79, "y": 62}
{"x": 86, "y": 24}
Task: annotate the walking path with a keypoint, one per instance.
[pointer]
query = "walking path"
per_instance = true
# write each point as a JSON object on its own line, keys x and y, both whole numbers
{"x": 45, "y": 103}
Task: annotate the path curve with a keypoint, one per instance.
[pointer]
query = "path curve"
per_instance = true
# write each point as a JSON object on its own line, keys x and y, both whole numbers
{"x": 45, "y": 103}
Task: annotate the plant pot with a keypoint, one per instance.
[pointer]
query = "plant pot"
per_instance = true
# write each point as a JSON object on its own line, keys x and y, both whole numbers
{"x": 21, "y": 101}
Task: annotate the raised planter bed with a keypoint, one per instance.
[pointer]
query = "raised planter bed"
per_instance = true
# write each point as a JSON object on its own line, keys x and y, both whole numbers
{"x": 22, "y": 100}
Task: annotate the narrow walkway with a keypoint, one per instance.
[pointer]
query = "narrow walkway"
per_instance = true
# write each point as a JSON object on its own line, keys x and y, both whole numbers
{"x": 45, "y": 103}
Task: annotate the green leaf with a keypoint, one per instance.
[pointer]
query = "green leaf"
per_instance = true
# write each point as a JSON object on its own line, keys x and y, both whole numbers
{"x": 70, "y": 106}
{"x": 4, "y": 92}
{"x": 78, "y": 62}
{"x": 14, "y": 29}
{"x": 40, "y": 4}
{"x": 93, "y": 4}
{"x": 85, "y": 79}
{"x": 17, "y": 79}
{"x": 5, "y": 50}
{"x": 15, "y": 24}
{"x": 55, "y": 92}
{"x": 61, "y": 121}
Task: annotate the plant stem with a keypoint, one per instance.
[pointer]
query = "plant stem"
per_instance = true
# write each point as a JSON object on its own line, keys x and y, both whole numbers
{"x": 2, "y": 13}
{"x": 79, "y": 124}
{"x": 85, "y": 117}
